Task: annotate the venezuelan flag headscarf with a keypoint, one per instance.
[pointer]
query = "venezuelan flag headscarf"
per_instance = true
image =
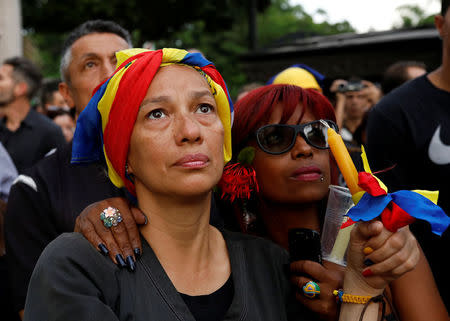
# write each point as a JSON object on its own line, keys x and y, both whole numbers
{"x": 104, "y": 127}
{"x": 299, "y": 75}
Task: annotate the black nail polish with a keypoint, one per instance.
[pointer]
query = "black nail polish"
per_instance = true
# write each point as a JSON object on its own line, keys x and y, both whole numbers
{"x": 120, "y": 261}
{"x": 368, "y": 262}
{"x": 137, "y": 253}
{"x": 131, "y": 264}
{"x": 103, "y": 249}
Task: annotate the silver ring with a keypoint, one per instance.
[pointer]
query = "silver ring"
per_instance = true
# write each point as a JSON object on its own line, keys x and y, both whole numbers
{"x": 110, "y": 216}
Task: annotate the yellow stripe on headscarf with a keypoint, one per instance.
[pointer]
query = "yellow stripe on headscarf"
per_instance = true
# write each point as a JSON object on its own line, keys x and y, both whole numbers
{"x": 123, "y": 55}
{"x": 224, "y": 114}
{"x": 173, "y": 55}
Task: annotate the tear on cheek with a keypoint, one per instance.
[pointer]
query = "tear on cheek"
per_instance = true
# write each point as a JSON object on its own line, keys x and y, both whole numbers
{"x": 217, "y": 130}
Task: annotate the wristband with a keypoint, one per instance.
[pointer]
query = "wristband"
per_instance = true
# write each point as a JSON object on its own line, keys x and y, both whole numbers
{"x": 350, "y": 298}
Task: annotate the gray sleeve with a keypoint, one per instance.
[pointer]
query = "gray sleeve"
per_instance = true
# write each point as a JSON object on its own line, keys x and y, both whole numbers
{"x": 8, "y": 173}
{"x": 72, "y": 281}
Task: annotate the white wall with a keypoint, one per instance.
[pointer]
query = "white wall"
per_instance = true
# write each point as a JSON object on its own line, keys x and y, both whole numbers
{"x": 10, "y": 29}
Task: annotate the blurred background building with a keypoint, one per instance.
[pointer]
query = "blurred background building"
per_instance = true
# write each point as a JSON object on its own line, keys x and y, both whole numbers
{"x": 344, "y": 55}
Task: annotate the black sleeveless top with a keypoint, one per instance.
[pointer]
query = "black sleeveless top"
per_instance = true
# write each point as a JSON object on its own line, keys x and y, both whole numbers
{"x": 211, "y": 307}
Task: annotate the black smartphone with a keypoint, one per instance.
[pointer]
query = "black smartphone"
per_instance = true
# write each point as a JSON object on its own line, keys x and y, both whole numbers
{"x": 304, "y": 244}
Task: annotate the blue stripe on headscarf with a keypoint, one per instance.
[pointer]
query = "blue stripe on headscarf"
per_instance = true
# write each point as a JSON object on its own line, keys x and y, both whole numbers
{"x": 87, "y": 142}
{"x": 319, "y": 77}
{"x": 196, "y": 59}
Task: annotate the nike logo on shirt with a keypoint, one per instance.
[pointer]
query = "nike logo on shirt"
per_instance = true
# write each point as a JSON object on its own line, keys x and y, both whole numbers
{"x": 438, "y": 152}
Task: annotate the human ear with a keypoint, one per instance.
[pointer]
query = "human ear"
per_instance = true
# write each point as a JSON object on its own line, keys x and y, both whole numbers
{"x": 129, "y": 172}
{"x": 128, "y": 168}
{"x": 20, "y": 89}
{"x": 439, "y": 23}
{"x": 67, "y": 95}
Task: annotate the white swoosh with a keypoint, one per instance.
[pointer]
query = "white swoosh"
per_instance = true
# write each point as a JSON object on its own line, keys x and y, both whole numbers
{"x": 27, "y": 180}
{"x": 438, "y": 152}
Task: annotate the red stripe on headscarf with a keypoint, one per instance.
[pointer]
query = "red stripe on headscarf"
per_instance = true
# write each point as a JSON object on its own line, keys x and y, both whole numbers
{"x": 215, "y": 75}
{"x": 132, "y": 90}
{"x": 117, "y": 69}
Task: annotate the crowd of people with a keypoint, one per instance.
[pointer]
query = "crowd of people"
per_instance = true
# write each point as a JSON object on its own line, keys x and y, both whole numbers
{"x": 182, "y": 198}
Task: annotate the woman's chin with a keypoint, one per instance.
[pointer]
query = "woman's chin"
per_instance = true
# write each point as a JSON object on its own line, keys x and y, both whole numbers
{"x": 194, "y": 194}
{"x": 179, "y": 189}
{"x": 299, "y": 198}
{"x": 190, "y": 192}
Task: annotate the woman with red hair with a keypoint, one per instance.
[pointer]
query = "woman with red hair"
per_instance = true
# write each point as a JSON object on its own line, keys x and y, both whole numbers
{"x": 293, "y": 173}
{"x": 282, "y": 124}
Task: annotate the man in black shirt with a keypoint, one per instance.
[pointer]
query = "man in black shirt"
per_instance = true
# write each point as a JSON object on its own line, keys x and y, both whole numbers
{"x": 47, "y": 198}
{"x": 27, "y": 135}
{"x": 410, "y": 128}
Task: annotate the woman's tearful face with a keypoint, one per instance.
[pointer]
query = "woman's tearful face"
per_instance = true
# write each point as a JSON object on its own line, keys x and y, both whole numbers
{"x": 176, "y": 147}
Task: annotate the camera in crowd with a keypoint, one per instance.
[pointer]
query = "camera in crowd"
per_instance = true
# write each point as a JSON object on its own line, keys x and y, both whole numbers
{"x": 351, "y": 86}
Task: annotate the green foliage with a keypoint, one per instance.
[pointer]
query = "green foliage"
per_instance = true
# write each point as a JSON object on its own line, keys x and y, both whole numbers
{"x": 155, "y": 19}
{"x": 413, "y": 16}
{"x": 218, "y": 29}
{"x": 280, "y": 19}
{"x": 223, "y": 48}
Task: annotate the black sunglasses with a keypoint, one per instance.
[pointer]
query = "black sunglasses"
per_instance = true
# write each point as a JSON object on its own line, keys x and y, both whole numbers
{"x": 277, "y": 139}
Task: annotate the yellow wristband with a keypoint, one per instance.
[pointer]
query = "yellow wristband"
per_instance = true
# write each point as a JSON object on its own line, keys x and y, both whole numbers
{"x": 350, "y": 298}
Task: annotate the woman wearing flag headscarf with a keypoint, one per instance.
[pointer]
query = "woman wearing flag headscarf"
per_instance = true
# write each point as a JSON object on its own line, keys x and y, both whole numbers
{"x": 162, "y": 124}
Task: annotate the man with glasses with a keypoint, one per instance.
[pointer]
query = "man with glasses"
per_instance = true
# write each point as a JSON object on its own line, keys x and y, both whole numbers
{"x": 410, "y": 129}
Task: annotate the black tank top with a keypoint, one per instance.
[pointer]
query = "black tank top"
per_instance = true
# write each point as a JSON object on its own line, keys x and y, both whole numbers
{"x": 211, "y": 307}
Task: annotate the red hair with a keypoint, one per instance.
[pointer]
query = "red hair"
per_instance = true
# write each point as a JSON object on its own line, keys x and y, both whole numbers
{"x": 254, "y": 110}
